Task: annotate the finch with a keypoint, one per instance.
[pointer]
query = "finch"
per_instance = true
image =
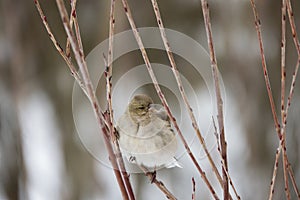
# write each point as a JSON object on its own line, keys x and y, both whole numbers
{"x": 145, "y": 134}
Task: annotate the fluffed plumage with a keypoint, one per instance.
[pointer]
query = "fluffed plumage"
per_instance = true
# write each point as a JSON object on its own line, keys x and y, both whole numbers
{"x": 146, "y": 136}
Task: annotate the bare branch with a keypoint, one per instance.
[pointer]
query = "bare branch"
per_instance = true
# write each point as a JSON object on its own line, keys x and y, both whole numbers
{"x": 280, "y": 134}
{"x": 73, "y": 7}
{"x": 114, "y": 140}
{"x": 264, "y": 66}
{"x": 108, "y": 74}
{"x": 159, "y": 184}
{"x": 215, "y": 70}
{"x": 291, "y": 173}
{"x": 272, "y": 185}
{"x": 60, "y": 50}
{"x": 77, "y": 48}
{"x": 162, "y": 97}
{"x": 222, "y": 161}
{"x": 283, "y": 118}
{"x": 181, "y": 88}
{"x": 194, "y": 189}
{"x": 293, "y": 26}
{"x": 297, "y": 45}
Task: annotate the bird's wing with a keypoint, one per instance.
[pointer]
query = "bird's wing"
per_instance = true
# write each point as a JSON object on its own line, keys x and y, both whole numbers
{"x": 159, "y": 111}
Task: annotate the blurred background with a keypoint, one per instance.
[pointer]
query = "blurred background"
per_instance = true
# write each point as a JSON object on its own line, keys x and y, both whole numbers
{"x": 41, "y": 153}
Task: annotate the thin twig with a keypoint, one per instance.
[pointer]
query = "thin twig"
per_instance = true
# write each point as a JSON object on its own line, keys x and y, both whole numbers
{"x": 77, "y": 30}
{"x": 58, "y": 47}
{"x": 293, "y": 83}
{"x": 194, "y": 189}
{"x": 73, "y": 7}
{"x": 108, "y": 75}
{"x": 264, "y": 66}
{"x": 268, "y": 86}
{"x": 113, "y": 133}
{"x": 283, "y": 68}
{"x": 277, "y": 126}
{"x": 297, "y": 45}
{"x": 181, "y": 88}
{"x": 162, "y": 97}
{"x": 79, "y": 56}
{"x": 293, "y": 25}
{"x": 222, "y": 161}
{"x": 283, "y": 118}
{"x": 159, "y": 184}
{"x": 292, "y": 88}
{"x": 293, "y": 181}
{"x": 272, "y": 185}
{"x": 108, "y": 71}
{"x": 296, "y": 41}
{"x": 285, "y": 169}
{"x": 213, "y": 60}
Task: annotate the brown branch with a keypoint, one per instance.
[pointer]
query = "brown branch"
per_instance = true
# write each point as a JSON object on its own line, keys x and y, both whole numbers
{"x": 277, "y": 126}
{"x": 293, "y": 25}
{"x": 293, "y": 181}
{"x": 222, "y": 161}
{"x": 58, "y": 47}
{"x": 283, "y": 68}
{"x": 291, "y": 174}
{"x": 108, "y": 71}
{"x": 268, "y": 86}
{"x": 293, "y": 83}
{"x": 297, "y": 45}
{"x": 108, "y": 75}
{"x": 272, "y": 185}
{"x": 264, "y": 66}
{"x": 283, "y": 118}
{"x": 213, "y": 60}
{"x": 113, "y": 134}
{"x": 162, "y": 97}
{"x": 296, "y": 41}
{"x": 292, "y": 88}
{"x": 79, "y": 56}
{"x": 285, "y": 169}
{"x": 159, "y": 184}
{"x": 73, "y": 7}
{"x": 181, "y": 88}
{"x": 194, "y": 189}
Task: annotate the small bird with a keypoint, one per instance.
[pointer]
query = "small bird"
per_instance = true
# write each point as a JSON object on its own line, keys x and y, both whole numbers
{"x": 145, "y": 134}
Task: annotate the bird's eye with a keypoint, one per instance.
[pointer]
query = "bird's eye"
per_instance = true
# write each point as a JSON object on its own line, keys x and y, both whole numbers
{"x": 141, "y": 107}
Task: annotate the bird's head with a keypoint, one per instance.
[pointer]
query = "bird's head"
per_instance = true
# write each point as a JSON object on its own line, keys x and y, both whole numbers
{"x": 139, "y": 106}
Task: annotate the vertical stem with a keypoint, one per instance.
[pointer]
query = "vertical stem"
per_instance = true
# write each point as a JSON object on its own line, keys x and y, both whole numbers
{"x": 283, "y": 118}
{"x": 110, "y": 119}
{"x": 79, "y": 56}
{"x": 275, "y": 168}
{"x": 58, "y": 47}
{"x": 214, "y": 66}
{"x": 293, "y": 181}
{"x": 162, "y": 97}
{"x": 181, "y": 89}
{"x": 297, "y": 45}
{"x": 280, "y": 133}
{"x": 194, "y": 189}
{"x": 73, "y": 7}
{"x": 264, "y": 66}
{"x": 222, "y": 161}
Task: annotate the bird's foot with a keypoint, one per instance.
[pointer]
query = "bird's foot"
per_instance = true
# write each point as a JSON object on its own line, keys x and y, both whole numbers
{"x": 117, "y": 135}
{"x": 153, "y": 176}
{"x": 132, "y": 159}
